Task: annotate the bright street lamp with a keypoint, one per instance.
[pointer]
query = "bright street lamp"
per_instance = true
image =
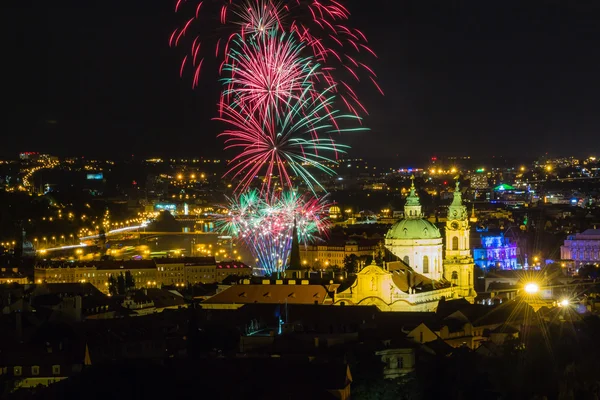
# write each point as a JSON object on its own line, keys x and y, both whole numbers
{"x": 531, "y": 288}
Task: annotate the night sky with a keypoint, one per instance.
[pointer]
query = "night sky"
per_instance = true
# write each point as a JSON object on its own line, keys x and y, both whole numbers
{"x": 473, "y": 77}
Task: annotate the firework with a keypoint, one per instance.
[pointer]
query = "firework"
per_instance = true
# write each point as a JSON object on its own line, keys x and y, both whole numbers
{"x": 265, "y": 225}
{"x": 319, "y": 24}
{"x": 266, "y": 73}
{"x": 286, "y": 145}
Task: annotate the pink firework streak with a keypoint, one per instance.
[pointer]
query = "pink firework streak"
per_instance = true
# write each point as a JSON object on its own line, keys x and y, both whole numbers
{"x": 293, "y": 143}
{"x": 319, "y": 24}
{"x": 266, "y": 74}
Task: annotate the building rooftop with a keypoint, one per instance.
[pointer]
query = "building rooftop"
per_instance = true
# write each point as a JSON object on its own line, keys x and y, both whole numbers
{"x": 232, "y": 264}
{"x": 413, "y": 229}
{"x": 589, "y": 234}
{"x": 186, "y": 260}
{"x": 271, "y": 294}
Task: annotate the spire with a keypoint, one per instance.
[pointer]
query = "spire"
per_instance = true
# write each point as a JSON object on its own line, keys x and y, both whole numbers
{"x": 295, "y": 251}
{"x": 412, "y": 199}
{"x": 473, "y": 216}
{"x": 457, "y": 200}
{"x": 457, "y": 210}
{"x": 412, "y": 207}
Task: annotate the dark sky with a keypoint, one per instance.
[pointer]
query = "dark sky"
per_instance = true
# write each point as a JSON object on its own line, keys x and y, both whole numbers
{"x": 476, "y": 77}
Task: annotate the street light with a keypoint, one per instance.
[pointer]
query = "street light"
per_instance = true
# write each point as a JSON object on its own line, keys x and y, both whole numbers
{"x": 532, "y": 288}
{"x": 564, "y": 303}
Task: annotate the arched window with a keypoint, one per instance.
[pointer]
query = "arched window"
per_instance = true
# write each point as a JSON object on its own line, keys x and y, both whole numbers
{"x": 425, "y": 264}
{"x": 406, "y": 260}
{"x": 455, "y": 243}
{"x": 454, "y": 275}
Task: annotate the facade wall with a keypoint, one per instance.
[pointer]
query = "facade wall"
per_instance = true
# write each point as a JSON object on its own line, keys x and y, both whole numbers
{"x": 414, "y": 251}
{"x": 581, "y": 251}
{"x": 323, "y": 255}
{"x": 166, "y": 274}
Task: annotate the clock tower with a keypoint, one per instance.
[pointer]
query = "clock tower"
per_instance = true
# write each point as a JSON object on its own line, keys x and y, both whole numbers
{"x": 458, "y": 262}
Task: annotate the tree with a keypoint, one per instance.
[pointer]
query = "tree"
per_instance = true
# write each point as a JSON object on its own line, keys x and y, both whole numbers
{"x": 129, "y": 280}
{"x": 351, "y": 263}
{"x": 121, "y": 288}
{"x": 112, "y": 285}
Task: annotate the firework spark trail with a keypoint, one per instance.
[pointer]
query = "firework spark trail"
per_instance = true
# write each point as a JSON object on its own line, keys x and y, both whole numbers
{"x": 267, "y": 73}
{"x": 265, "y": 224}
{"x": 318, "y": 23}
{"x": 285, "y": 144}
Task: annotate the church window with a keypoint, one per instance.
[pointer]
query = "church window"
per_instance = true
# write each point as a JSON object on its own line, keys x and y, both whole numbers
{"x": 421, "y": 337}
{"x": 454, "y": 275}
{"x": 406, "y": 260}
{"x": 455, "y": 243}
{"x": 425, "y": 264}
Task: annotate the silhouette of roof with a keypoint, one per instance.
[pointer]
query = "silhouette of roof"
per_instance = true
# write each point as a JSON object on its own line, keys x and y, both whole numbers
{"x": 447, "y": 307}
{"x": 439, "y": 347}
{"x": 164, "y": 298}
{"x": 82, "y": 289}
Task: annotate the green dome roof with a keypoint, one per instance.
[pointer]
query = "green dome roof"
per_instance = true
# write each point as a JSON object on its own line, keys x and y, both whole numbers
{"x": 413, "y": 229}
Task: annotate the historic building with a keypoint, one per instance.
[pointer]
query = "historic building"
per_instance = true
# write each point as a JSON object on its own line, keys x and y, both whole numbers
{"x": 582, "y": 248}
{"x": 459, "y": 263}
{"x": 333, "y": 252}
{"x": 396, "y": 289}
{"x": 145, "y": 273}
{"x": 416, "y": 241}
{"x": 496, "y": 251}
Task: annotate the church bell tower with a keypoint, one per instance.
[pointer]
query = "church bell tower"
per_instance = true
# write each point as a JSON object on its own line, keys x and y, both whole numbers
{"x": 458, "y": 262}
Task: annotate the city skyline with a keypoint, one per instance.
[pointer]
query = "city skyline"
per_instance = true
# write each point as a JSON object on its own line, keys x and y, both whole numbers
{"x": 493, "y": 80}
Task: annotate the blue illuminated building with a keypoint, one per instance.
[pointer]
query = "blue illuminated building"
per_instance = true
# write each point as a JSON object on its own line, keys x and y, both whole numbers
{"x": 495, "y": 251}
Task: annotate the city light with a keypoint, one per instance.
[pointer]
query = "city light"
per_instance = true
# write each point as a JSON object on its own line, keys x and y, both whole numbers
{"x": 564, "y": 303}
{"x": 532, "y": 288}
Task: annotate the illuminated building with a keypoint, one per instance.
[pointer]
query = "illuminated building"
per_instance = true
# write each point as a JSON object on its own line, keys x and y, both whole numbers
{"x": 332, "y": 253}
{"x": 335, "y": 212}
{"x": 416, "y": 241}
{"x": 398, "y": 289}
{"x": 146, "y": 273}
{"x": 508, "y": 194}
{"x": 582, "y": 248}
{"x": 496, "y": 251}
{"x": 458, "y": 262}
{"x": 479, "y": 181}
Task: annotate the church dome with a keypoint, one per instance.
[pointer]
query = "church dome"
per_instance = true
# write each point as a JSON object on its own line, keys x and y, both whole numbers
{"x": 413, "y": 226}
{"x": 413, "y": 229}
{"x": 335, "y": 209}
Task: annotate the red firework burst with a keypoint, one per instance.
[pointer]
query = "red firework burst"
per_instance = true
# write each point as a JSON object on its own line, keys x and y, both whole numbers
{"x": 319, "y": 24}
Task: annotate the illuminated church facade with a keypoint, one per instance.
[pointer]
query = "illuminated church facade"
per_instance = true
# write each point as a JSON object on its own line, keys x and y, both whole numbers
{"x": 425, "y": 272}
